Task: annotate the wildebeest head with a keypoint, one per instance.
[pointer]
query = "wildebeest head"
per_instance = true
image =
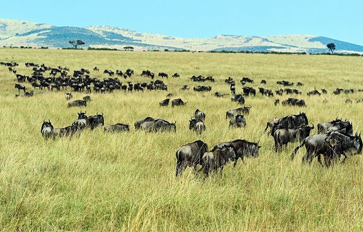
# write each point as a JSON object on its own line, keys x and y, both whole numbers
{"x": 82, "y": 115}
{"x": 46, "y": 125}
{"x": 192, "y": 123}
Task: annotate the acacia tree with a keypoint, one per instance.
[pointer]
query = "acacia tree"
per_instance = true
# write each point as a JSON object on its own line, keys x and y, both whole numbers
{"x": 331, "y": 47}
{"x": 76, "y": 43}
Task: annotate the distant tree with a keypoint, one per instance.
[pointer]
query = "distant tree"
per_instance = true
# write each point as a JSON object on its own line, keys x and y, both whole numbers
{"x": 76, "y": 43}
{"x": 128, "y": 48}
{"x": 331, "y": 47}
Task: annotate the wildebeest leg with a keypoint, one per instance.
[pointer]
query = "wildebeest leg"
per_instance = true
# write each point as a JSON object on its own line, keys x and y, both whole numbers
{"x": 178, "y": 166}
{"x": 319, "y": 160}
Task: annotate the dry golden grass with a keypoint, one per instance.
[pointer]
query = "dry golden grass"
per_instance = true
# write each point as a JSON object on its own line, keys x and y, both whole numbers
{"x": 126, "y": 181}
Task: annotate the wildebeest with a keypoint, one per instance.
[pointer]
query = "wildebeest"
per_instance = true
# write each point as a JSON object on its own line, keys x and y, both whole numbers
{"x": 177, "y": 102}
{"x": 87, "y": 98}
{"x": 96, "y": 121}
{"x": 20, "y": 87}
{"x": 197, "y": 125}
{"x": 138, "y": 123}
{"x": 329, "y": 145}
{"x": 82, "y": 122}
{"x": 336, "y": 125}
{"x": 190, "y": 155}
{"x": 199, "y": 115}
{"x": 283, "y": 136}
{"x": 48, "y": 131}
{"x": 218, "y": 94}
{"x": 238, "y": 98}
{"x": 289, "y": 122}
{"x": 162, "y": 75}
{"x": 217, "y": 159}
{"x": 238, "y": 121}
{"x": 248, "y": 90}
{"x": 176, "y": 75}
{"x": 184, "y": 87}
{"x": 241, "y": 110}
{"x": 69, "y": 96}
{"x": 164, "y": 102}
{"x": 77, "y": 103}
{"x": 243, "y": 149}
{"x": 158, "y": 125}
{"x": 314, "y": 92}
{"x": 294, "y": 102}
{"x": 202, "y": 88}
{"x": 118, "y": 127}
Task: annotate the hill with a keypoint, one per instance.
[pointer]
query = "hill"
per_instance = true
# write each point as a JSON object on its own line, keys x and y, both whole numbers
{"x": 24, "y": 33}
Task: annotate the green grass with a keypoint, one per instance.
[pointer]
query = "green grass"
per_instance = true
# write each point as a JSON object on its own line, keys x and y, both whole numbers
{"x": 126, "y": 181}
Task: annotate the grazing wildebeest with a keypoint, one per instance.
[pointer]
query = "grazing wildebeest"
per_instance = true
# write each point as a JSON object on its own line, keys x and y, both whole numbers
{"x": 77, "y": 103}
{"x": 331, "y": 146}
{"x": 177, "y": 102}
{"x": 190, "y": 155}
{"x": 283, "y": 136}
{"x": 158, "y": 125}
{"x": 176, "y": 75}
{"x": 48, "y": 131}
{"x": 238, "y": 121}
{"x": 164, "y": 102}
{"x": 263, "y": 82}
{"x": 243, "y": 149}
{"x": 218, "y": 94}
{"x": 20, "y": 87}
{"x": 118, "y": 127}
{"x": 184, "y": 87}
{"x": 162, "y": 75}
{"x": 138, "y": 123}
{"x": 248, "y": 90}
{"x": 199, "y": 115}
{"x": 217, "y": 159}
{"x": 87, "y": 98}
{"x": 241, "y": 110}
{"x": 69, "y": 96}
{"x": 314, "y": 92}
{"x": 336, "y": 125}
{"x": 202, "y": 88}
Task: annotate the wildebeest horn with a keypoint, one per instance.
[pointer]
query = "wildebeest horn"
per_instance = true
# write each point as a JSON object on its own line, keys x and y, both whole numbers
{"x": 312, "y": 126}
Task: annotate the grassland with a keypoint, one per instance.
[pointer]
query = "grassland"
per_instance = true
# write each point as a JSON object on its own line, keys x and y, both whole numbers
{"x": 126, "y": 182}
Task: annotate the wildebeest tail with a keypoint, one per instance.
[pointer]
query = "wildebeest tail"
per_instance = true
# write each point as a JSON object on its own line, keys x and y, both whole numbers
{"x": 296, "y": 149}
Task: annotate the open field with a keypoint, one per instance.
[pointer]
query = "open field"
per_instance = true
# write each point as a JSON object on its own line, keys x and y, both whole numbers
{"x": 127, "y": 181}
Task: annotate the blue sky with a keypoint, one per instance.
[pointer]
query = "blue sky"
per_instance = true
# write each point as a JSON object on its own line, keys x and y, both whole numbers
{"x": 338, "y": 19}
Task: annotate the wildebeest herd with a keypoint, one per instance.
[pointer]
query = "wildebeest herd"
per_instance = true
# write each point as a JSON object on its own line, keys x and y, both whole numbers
{"x": 333, "y": 140}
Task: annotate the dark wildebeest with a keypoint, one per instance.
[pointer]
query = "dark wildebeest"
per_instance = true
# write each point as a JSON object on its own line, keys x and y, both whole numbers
{"x": 87, "y": 98}
{"x": 69, "y": 96}
{"x": 190, "y": 155}
{"x": 177, "y": 102}
{"x": 238, "y": 121}
{"x": 217, "y": 159}
{"x": 314, "y": 92}
{"x": 20, "y": 87}
{"x": 199, "y": 115}
{"x": 96, "y": 121}
{"x": 289, "y": 122}
{"x": 184, "y": 87}
{"x": 162, "y": 75}
{"x": 77, "y": 103}
{"x": 118, "y": 127}
{"x": 336, "y": 125}
{"x": 176, "y": 75}
{"x": 242, "y": 148}
{"x": 283, "y": 136}
{"x": 138, "y": 123}
{"x": 331, "y": 146}
{"x": 164, "y": 102}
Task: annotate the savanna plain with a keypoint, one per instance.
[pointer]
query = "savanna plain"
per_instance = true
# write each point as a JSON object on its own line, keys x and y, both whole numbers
{"x": 126, "y": 181}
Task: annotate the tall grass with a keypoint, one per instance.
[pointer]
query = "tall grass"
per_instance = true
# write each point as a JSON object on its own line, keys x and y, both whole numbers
{"x": 127, "y": 181}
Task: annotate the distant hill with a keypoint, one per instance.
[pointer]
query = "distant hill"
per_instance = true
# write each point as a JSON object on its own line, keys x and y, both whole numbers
{"x": 24, "y": 33}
